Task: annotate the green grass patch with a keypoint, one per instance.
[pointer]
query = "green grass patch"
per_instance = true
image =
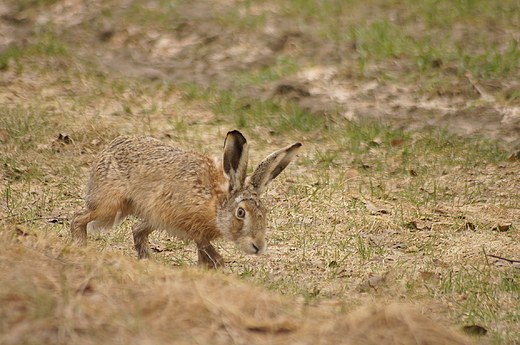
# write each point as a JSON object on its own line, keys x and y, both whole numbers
{"x": 242, "y": 112}
{"x": 422, "y": 35}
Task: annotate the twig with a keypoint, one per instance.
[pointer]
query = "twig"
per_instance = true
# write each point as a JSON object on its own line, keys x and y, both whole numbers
{"x": 10, "y": 216}
{"x": 485, "y": 96}
{"x": 49, "y": 219}
{"x": 501, "y": 258}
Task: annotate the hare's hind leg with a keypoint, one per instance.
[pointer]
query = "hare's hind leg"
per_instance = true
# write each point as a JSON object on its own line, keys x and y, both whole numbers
{"x": 208, "y": 256}
{"x": 141, "y": 231}
{"x": 105, "y": 215}
{"x": 78, "y": 226}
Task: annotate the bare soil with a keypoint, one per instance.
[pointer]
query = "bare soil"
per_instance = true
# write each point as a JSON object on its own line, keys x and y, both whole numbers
{"x": 201, "y": 50}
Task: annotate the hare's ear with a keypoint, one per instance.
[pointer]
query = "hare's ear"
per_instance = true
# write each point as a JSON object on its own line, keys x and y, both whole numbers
{"x": 272, "y": 166}
{"x": 234, "y": 159}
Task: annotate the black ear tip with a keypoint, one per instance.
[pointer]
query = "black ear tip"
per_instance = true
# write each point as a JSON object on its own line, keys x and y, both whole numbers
{"x": 298, "y": 145}
{"x": 236, "y": 134}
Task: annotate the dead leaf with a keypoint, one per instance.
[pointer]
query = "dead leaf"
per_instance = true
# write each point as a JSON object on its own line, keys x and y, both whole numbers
{"x": 400, "y": 245}
{"x": 364, "y": 286}
{"x": 514, "y": 157}
{"x": 159, "y": 248}
{"x": 412, "y": 225}
{"x": 56, "y": 220}
{"x": 374, "y": 143}
{"x": 61, "y": 141}
{"x": 502, "y": 227}
{"x": 501, "y": 263}
{"x": 64, "y": 139}
{"x": 20, "y": 232}
{"x": 469, "y": 226}
{"x": 4, "y": 135}
{"x": 430, "y": 276}
{"x": 413, "y": 172}
{"x": 437, "y": 63}
{"x": 397, "y": 142}
{"x": 375, "y": 280}
{"x": 348, "y": 114}
{"x": 391, "y": 258}
{"x": 474, "y": 330}
{"x": 376, "y": 240}
{"x": 351, "y": 173}
{"x": 292, "y": 89}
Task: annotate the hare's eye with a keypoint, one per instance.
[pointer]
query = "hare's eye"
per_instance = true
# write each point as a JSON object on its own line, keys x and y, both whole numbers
{"x": 241, "y": 213}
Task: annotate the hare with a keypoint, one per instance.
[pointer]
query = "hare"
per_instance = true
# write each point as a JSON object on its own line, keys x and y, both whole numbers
{"x": 183, "y": 192}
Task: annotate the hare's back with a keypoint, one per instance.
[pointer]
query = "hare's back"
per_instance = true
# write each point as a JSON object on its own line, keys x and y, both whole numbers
{"x": 131, "y": 157}
{"x": 142, "y": 171}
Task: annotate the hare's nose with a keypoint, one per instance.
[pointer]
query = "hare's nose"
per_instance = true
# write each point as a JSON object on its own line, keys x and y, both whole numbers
{"x": 258, "y": 248}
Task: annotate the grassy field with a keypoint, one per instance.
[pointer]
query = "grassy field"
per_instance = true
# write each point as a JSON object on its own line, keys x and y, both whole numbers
{"x": 406, "y": 189}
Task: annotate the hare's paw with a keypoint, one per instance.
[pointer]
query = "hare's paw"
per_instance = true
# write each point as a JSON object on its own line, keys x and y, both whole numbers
{"x": 209, "y": 257}
{"x": 78, "y": 226}
{"x": 141, "y": 231}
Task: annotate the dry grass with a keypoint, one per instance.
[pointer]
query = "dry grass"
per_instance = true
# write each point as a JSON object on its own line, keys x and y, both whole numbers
{"x": 53, "y": 294}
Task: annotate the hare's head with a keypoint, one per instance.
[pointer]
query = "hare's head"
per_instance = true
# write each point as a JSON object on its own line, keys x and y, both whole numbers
{"x": 242, "y": 217}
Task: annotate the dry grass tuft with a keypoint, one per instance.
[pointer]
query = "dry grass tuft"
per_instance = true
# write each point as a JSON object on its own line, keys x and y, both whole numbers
{"x": 51, "y": 294}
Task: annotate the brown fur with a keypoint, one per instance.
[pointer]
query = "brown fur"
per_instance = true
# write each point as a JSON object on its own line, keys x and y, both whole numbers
{"x": 183, "y": 192}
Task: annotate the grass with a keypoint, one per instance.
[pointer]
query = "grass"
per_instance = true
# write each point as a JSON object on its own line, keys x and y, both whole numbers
{"x": 368, "y": 212}
{"x": 414, "y": 35}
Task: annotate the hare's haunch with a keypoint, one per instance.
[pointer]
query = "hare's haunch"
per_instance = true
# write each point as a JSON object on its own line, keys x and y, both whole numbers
{"x": 183, "y": 192}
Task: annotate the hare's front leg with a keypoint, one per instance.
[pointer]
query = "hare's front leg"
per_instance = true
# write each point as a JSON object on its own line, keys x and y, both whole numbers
{"x": 208, "y": 256}
{"x": 78, "y": 226}
{"x": 140, "y": 232}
